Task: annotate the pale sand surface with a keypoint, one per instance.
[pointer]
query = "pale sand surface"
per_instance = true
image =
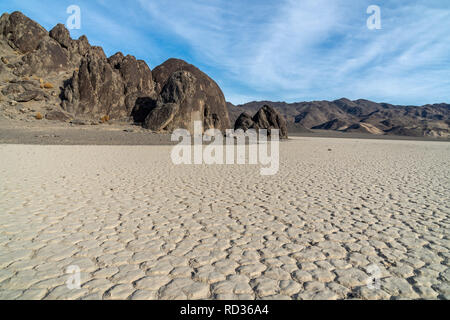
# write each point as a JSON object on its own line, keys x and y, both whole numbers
{"x": 139, "y": 227}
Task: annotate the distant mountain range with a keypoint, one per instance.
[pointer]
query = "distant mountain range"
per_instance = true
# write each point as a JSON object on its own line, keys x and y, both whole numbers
{"x": 362, "y": 116}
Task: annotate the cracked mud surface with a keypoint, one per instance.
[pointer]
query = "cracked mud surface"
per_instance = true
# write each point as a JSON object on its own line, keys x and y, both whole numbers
{"x": 139, "y": 227}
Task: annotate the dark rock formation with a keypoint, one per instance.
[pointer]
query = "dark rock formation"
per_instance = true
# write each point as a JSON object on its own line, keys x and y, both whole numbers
{"x": 137, "y": 78}
{"x": 95, "y": 90}
{"x": 198, "y": 97}
{"x": 143, "y": 106}
{"x": 135, "y": 73}
{"x": 47, "y": 58}
{"x": 266, "y": 118}
{"x": 62, "y": 36}
{"x": 76, "y": 49}
{"x": 44, "y": 52}
{"x": 174, "y": 108}
{"x": 244, "y": 122}
{"x": 110, "y": 87}
{"x": 94, "y": 86}
{"x": 21, "y": 32}
{"x": 160, "y": 117}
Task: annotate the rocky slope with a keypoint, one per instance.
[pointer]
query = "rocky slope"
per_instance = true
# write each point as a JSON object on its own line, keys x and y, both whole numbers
{"x": 48, "y": 74}
{"x": 359, "y": 116}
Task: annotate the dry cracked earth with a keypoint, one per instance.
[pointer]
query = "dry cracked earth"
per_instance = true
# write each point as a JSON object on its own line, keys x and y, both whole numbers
{"x": 343, "y": 218}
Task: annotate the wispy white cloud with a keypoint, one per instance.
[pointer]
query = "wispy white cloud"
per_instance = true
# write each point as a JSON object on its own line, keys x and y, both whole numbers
{"x": 317, "y": 49}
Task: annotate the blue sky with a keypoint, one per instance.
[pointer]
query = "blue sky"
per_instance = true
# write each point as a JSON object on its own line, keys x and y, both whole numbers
{"x": 279, "y": 50}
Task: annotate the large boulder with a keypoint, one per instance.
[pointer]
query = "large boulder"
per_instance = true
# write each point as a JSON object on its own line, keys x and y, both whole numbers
{"x": 197, "y": 96}
{"x": 175, "y": 107}
{"x": 244, "y": 122}
{"x": 21, "y": 32}
{"x": 266, "y": 118}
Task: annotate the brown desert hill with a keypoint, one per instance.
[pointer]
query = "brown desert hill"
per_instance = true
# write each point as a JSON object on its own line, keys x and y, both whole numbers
{"x": 359, "y": 116}
{"x": 49, "y": 73}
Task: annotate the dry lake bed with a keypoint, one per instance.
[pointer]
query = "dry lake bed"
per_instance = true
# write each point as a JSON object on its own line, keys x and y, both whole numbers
{"x": 343, "y": 218}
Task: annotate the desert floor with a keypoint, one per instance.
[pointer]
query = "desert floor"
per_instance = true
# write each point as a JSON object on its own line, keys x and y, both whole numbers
{"x": 327, "y": 225}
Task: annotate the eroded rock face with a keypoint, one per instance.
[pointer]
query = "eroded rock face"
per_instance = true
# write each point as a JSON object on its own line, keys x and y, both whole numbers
{"x": 44, "y": 53}
{"x": 95, "y": 90}
{"x": 197, "y": 96}
{"x": 62, "y": 36}
{"x": 266, "y": 118}
{"x": 135, "y": 73}
{"x": 93, "y": 86}
{"x": 110, "y": 87}
{"x": 175, "y": 108}
{"x": 137, "y": 78}
{"x": 21, "y": 32}
{"x": 48, "y": 57}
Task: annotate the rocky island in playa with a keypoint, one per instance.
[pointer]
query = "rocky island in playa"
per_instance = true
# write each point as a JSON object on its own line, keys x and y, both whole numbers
{"x": 92, "y": 206}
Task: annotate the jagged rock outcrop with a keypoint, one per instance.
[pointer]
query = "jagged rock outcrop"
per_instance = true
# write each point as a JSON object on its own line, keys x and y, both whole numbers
{"x": 43, "y": 52}
{"x": 93, "y": 86}
{"x": 95, "y": 90}
{"x": 266, "y": 118}
{"x": 137, "y": 78}
{"x": 196, "y": 96}
{"x": 109, "y": 87}
{"x": 136, "y": 75}
{"x": 62, "y": 36}
{"x": 21, "y": 32}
